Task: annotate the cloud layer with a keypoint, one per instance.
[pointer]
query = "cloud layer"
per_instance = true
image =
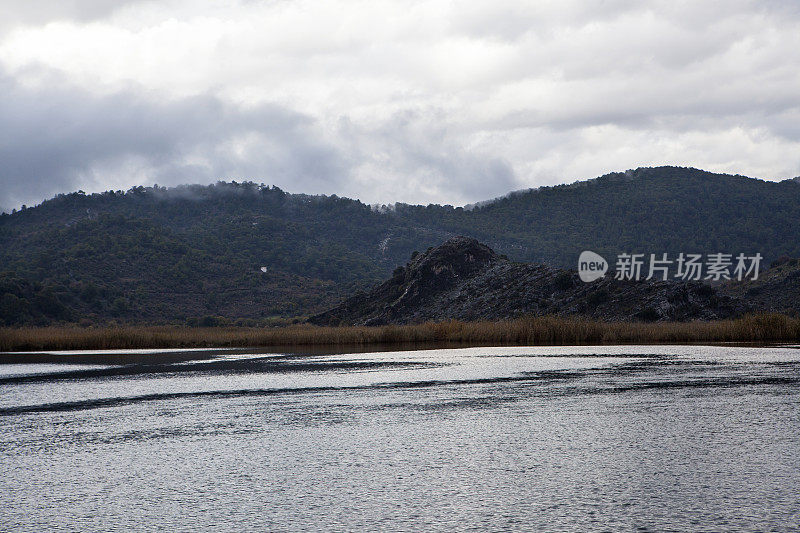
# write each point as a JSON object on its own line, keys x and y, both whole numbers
{"x": 391, "y": 101}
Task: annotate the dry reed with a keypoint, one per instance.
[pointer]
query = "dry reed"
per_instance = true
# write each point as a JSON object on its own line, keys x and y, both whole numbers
{"x": 760, "y": 328}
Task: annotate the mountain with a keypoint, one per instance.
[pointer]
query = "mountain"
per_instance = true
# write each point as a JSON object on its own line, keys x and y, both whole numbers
{"x": 465, "y": 280}
{"x": 157, "y": 255}
{"x": 648, "y": 210}
{"x": 256, "y": 254}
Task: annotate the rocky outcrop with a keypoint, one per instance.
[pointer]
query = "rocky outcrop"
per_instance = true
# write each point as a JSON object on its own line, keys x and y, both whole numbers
{"x": 777, "y": 289}
{"x": 465, "y": 280}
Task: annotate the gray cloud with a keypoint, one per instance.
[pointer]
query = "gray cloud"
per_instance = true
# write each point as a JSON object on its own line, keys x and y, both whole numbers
{"x": 392, "y": 101}
{"x": 419, "y": 153}
{"x": 42, "y": 11}
{"x": 14, "y": 13}
{"x": 62, "y": 138}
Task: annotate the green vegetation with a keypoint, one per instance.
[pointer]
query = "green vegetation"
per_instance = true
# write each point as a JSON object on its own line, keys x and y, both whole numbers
{"x": 533, "y": 331}
{"x": 648, "y": 210}
{"x": 158, "y": 256}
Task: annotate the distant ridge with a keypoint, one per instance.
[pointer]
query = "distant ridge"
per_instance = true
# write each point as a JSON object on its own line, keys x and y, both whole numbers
{"x": 628, "y": 175}
{"x": 256, "y": 254}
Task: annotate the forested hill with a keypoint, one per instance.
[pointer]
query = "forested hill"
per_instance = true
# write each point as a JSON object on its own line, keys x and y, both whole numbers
{"x": 192, "y": 253}
{"x": 158, "y": 255}
{"x": 648, "y": 210}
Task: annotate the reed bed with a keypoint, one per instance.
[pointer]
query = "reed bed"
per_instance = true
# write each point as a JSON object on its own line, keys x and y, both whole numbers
{"x": 531, "y": 331}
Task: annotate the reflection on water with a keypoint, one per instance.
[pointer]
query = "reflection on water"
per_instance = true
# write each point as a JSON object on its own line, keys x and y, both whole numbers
{"x": 651, "y": 438}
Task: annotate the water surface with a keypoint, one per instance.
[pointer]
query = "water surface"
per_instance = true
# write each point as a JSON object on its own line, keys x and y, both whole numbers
{"x": 648, "y": 438}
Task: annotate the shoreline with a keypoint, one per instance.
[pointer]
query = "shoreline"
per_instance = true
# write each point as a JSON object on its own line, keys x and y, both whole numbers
{"x": 530, "y": 331}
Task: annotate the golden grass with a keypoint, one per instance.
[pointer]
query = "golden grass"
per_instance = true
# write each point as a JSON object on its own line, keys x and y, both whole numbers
{"x": 531, "y": 331}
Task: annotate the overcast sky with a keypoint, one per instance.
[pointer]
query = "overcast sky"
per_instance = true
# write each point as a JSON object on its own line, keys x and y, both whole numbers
{"x": 447, "y": 102}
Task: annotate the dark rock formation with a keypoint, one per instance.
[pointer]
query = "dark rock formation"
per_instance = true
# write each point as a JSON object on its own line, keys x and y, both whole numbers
{"x": 465, "y": 280}
{"x": 777, "y": 289}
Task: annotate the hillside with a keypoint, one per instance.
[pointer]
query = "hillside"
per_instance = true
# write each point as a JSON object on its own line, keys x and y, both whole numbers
{"x": 648, "y": 210}
{"x": 465, "y": 280}
{"x": 247, "y": 252}
{"x": 777, "y": 289}
{"x": 156, "y": 255}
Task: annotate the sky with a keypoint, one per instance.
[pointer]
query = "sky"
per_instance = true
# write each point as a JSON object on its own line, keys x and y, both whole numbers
{"x": 418, "y": 102}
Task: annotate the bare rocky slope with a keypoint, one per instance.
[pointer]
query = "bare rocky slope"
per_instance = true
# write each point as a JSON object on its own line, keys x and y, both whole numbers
{"x": 777, "y": 289}
{"x": 465, "y": 280}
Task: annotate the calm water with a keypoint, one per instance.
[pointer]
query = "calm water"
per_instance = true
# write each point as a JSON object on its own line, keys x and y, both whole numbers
{"x": 567, "y": 439}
